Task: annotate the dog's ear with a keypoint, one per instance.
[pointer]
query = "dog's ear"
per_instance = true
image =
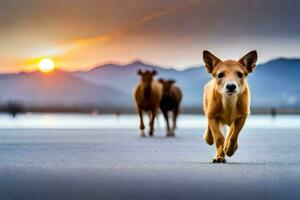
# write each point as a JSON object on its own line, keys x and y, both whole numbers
{"x": 161, "y": 80}
{"x": 139, "y": 72}
{"x": 210, "y": 61}
{"x": 249, "y": 61}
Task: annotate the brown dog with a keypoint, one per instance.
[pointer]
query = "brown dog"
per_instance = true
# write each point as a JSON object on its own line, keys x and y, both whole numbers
{"x": 226, "y": 101}
{"x": 170, "y": 102}
{"x": 147, "y": 97}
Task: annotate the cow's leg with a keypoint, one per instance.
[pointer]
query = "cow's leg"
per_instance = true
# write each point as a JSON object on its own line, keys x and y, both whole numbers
{"x": 166, "y": 116}
{"x": 149, "y": 116}
{"x": 152, "y": 119}
{"x": 142, "y": 126}
{"x": 175, "y": 115}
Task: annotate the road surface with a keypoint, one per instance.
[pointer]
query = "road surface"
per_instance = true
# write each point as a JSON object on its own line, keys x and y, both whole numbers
{"x": 118, "y": 164}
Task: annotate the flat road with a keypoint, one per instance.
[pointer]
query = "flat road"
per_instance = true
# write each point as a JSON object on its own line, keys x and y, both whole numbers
{"x": 118, "y": 164}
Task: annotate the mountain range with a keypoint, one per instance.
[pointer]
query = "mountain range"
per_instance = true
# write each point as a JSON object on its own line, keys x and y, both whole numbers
{"x": 273, "y": 84}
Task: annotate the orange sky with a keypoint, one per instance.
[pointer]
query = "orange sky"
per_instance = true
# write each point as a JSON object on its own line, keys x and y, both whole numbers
{"x": 79, "y": 36}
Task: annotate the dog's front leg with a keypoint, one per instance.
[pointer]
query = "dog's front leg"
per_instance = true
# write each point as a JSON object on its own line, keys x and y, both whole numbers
{"x": 214, "y": 125}
{"x": 231, "y": 143}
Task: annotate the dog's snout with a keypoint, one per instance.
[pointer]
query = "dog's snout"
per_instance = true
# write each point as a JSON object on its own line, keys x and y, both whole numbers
{"x": 231, "y": 87}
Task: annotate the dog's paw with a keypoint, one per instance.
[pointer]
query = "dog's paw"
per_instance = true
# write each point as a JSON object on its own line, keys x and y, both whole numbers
{"x": 219, "y": 160}
{"x": 231, "y": 148}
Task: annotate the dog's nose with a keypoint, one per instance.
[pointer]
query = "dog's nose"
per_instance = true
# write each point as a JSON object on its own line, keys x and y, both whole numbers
{"x": 231, "y": 87}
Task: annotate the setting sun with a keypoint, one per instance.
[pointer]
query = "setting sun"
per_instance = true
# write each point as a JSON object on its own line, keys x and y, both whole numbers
{"x": 46, "y": 65}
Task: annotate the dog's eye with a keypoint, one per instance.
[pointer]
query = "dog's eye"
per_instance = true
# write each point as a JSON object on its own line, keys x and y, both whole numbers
{"x": 220, "y": 75}
{"x": 240, "y": 74}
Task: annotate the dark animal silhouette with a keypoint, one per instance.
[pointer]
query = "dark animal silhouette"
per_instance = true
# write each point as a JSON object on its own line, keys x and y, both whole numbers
{"x": 170, "y": 102}
{"x": 147, "y": 97}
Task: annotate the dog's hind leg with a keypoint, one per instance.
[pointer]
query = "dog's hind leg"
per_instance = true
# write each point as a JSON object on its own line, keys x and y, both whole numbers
{"x": 208, "y": 138}
{"x": 231, "y": 143}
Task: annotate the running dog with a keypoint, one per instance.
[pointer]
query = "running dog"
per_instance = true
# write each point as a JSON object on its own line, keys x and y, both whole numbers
{"x": 226, "y": 101}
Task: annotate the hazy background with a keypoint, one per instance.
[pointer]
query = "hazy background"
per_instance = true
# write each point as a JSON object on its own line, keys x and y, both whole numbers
{"x": 98, "y": 45}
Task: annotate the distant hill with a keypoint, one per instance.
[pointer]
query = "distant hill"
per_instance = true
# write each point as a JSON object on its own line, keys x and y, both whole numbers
{"x": 274, "y": 84}
{"x": 124, "y": 78}
{"x": 56, "y": 89}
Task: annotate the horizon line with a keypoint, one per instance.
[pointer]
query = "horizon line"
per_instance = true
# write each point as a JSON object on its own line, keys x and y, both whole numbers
{"x": 141, "y": 61}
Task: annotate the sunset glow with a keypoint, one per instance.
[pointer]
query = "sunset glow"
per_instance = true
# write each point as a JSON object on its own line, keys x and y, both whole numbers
{"x": 165, "y": 33}
{"x": 46, "y": 65}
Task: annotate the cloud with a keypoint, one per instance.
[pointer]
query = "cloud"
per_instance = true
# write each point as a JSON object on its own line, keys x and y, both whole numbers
{"x": 164, "y": 11}
{"x": 103, "y": 38}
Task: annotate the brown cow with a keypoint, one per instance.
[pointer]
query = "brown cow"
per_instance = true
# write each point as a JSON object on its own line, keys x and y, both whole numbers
{"x": 170, "y": 101}
{"x": 147, "y": 97}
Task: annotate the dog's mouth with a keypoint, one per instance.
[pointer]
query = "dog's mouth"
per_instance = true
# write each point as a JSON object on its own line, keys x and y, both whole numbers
{"x": 230, "y": 93}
